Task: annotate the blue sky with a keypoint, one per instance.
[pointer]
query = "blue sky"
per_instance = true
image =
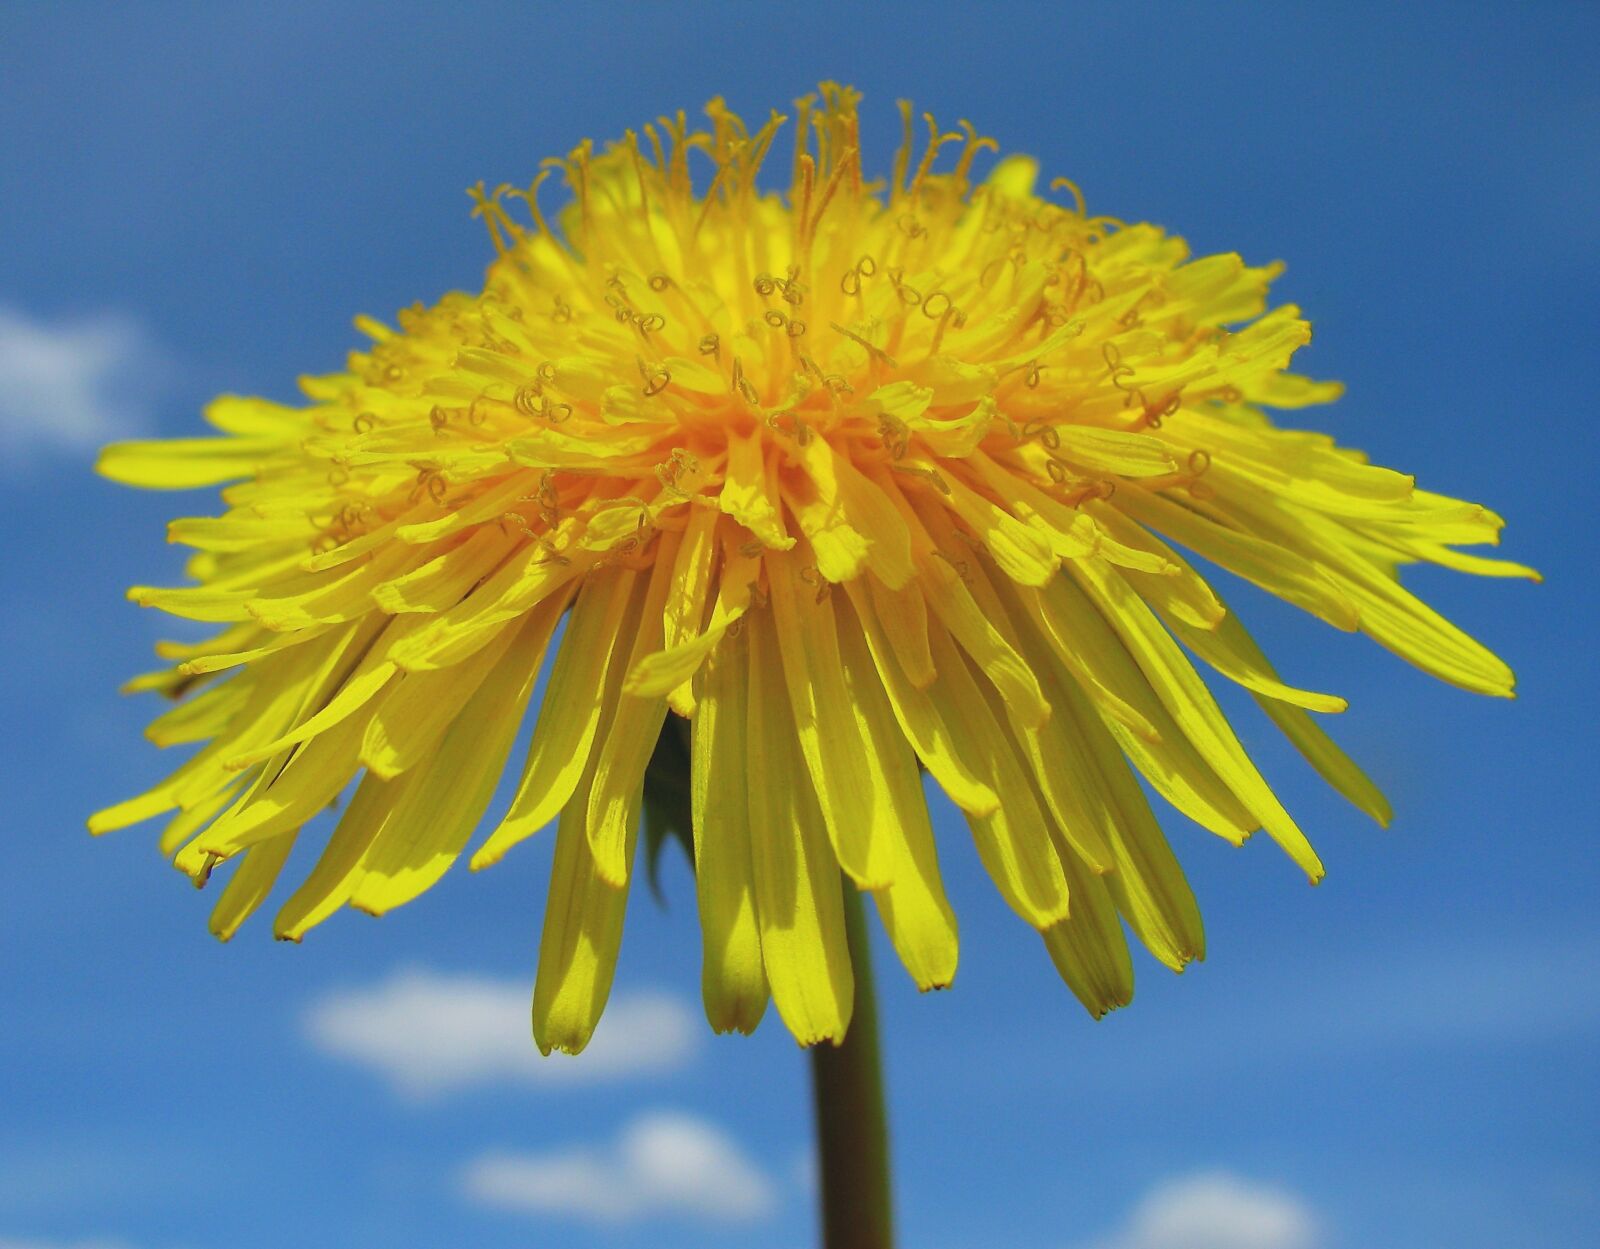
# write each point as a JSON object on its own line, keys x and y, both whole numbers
{"x": 198, "y": 198}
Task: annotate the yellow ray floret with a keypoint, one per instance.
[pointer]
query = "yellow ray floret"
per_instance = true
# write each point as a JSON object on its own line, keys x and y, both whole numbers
{"x": 828, "y": 487}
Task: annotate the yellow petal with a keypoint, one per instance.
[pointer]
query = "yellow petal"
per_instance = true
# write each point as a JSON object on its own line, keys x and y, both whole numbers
{"x": 943, "y": 583}
{"x": 435, "y": 809}
{"x": 184, "y": 463}
{"x": 1274, "y": 568}
{"x": 840, "y": 549}
{"x": 334, "y": 877}
{"x": 187, "y": 823}
{"x": 283, "y": 686}
{"x": 665, "y": 670}
{"x": 1053, "y": 757}
{"x": 685, "y": 609}
{"x": 1113, "y": 450}
{"x": 797, "y": 884}
{"x": 200, "y": 717}
{"x": 733, "y": 978}
{"x": 1227, "y": 649}
{"x": 918, "y": 719}
{"x": 285, "y": 795}
{"x": 914, "y": 909}
{"x": 249, "y": 415}
{"x": 1013, "y": 841}
{"x": 1170, "y": 762}
{"x": 356, "y": 693}
{"x": 240, "y": 530}
{"x": 422, "y": 705}
{"x": 444, "y": 580}
{"x": 1146, "y": 881}
{"x": 1186, "y": 697}
{"x": 527, "y": 578}
{"x": 594, "y": 643}
{"x": 1069, "y": 651}
{"x": 748, "y": 494}
{"x": 828, "y": 726}
{"x": 903, "y": 616}
{"x": 325, "y": 598}
{"x": 875, "y": 517}
{"x": 1022, "y": 554}
{"x": 582, "y": 934}
{"x": 1088, "y": 947}
{"x": 249, "y": 885}
{"x": 1335, "y": 767}
{"x": 635, "y": 724}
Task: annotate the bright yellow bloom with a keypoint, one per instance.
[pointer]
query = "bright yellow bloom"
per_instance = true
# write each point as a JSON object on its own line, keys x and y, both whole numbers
{"x": 852, "y": 478}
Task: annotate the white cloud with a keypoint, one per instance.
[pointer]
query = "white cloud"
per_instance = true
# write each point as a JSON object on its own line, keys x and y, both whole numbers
{"x": 661, "y": 1164}
{"x": 73, "y": 384}
{"x": 804, "y": 1171}
{"x": 1216, "y": 1210}
{"x": 431, "y": 1033}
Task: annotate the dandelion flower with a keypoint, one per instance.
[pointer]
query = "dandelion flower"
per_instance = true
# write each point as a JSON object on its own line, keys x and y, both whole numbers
{"x": 829, "y": 487}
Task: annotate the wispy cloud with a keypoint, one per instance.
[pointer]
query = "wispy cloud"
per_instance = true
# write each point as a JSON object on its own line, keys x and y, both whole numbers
{"x": 1405, "y": 997}
{"x": 73, "y": 384}
{"x": 1416, "y": 995}
{"x": 11, "y": 1242}
{"x": 1216, "y": 1210}
{"x": 431, "y": 1033}
{"x": 661, "y": 1164}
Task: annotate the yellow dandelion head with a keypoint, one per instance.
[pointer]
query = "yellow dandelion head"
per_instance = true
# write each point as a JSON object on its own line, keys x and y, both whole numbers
{"x": 870, "y": 474}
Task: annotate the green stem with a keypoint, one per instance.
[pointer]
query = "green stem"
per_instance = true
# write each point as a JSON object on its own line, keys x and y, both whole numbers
{"x": 852, "y": 1124}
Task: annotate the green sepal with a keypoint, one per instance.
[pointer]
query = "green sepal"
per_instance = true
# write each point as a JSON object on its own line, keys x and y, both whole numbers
{"x": 668, "y": 814}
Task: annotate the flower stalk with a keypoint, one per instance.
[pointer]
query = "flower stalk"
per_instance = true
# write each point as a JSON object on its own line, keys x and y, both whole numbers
{"x": 852, "y": 1120}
